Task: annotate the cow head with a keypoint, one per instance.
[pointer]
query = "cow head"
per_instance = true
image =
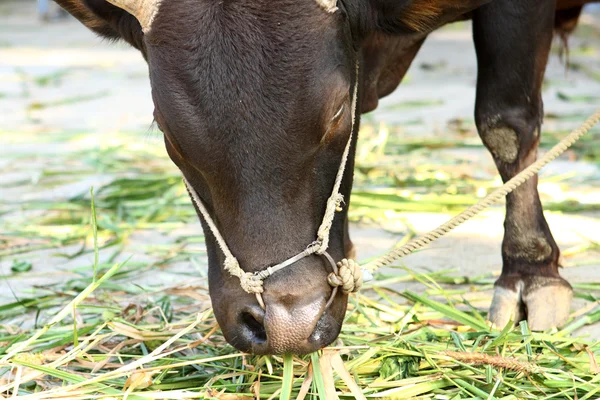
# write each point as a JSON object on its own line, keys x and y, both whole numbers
{"x": 256, "y": 111}
{"x": 254, "y": 100}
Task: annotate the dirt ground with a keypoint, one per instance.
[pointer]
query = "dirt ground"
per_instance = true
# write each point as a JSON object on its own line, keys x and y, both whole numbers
{"x": 102, "y": 88}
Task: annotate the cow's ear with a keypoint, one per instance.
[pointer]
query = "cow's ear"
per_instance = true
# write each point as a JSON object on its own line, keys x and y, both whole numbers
{"x": 394, "y": 16}
{"x": 107, "y": 20}
{"x": 411, "y": 16}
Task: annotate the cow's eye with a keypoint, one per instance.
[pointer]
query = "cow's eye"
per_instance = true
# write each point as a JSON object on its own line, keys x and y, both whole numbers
{"x": 334, "y": 123}
{"x": 338, "y": 114}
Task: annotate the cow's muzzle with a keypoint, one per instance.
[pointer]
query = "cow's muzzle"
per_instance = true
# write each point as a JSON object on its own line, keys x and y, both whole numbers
{"x": 297, "y": 325}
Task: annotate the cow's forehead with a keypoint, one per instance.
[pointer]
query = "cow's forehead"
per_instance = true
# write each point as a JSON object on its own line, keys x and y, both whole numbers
{"x": 231, "y": 70}
{"x": 186, "y": 17}
{"x": 238, "y": 49}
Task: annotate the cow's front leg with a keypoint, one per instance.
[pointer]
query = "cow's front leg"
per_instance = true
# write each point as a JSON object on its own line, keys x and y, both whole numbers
{"x": 512, "y": 39}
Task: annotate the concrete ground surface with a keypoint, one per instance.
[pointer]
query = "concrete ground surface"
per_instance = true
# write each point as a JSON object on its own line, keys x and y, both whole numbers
{"x": 102, "y": 88}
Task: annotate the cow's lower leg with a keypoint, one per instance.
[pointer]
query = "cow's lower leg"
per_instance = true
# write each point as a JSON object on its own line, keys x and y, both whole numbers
{"x": 512, "y": 40}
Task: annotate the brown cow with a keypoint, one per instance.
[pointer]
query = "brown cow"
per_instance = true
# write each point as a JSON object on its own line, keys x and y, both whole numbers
{"x": 255, "y": 100}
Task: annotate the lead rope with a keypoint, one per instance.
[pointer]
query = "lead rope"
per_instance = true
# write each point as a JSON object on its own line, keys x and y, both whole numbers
{"x": 487, "y": 201}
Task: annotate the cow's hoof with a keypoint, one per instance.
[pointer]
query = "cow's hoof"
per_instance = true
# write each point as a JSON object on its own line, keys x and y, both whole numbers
{"x": 506, "y": 306}
{"x": 548, "y": 302}
{"x": 544, "y": 301}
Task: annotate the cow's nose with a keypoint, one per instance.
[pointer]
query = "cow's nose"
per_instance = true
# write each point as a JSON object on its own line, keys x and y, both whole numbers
{"x": 280, "y": 330}
{"x": 251, "y": 321}
{"x": 297, "y": 326}
{"x": 295, "y": 318}
{"x": 290, "y": 326}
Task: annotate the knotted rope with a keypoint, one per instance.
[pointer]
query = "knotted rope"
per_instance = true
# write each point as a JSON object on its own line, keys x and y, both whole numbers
{"x": 349, "y": 276}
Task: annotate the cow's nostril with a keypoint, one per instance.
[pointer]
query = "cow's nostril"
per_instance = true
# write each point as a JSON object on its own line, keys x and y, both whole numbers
{"x": 254, "y": 324}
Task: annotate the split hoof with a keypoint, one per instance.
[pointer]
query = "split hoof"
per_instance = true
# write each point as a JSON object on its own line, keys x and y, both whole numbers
{"x": 544, "y": 301}
{"x": 548, "y": 303}
{"x": 506, "y": 306}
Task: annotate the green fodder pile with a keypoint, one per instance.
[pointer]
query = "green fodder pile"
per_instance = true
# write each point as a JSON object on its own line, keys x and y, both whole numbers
{"x": 168, "y": 346}
{"x": 125, "y": 312}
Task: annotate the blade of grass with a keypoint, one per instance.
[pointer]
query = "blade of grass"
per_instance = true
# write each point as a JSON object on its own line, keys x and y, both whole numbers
{"x": 62, "y": 314}
{"x": 449, "y": 312}
{"x": 288, "y": 377}
{"x": 318, "y": 376}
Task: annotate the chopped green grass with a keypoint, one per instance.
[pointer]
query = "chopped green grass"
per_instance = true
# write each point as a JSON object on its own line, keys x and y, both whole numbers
{"x": 106, "y": 329}
{"x": 389, "y": 349}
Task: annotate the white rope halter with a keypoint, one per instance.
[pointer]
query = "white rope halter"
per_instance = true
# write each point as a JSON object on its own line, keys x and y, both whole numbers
{"x": 346, "y": 273}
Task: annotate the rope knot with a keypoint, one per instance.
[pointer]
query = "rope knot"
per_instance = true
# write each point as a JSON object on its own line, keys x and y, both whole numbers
{"x": 251, "y": 283}
{"x": 349, "y": 276}
{"x": 339, "y": 199}
{"x": 232, "y": 266}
